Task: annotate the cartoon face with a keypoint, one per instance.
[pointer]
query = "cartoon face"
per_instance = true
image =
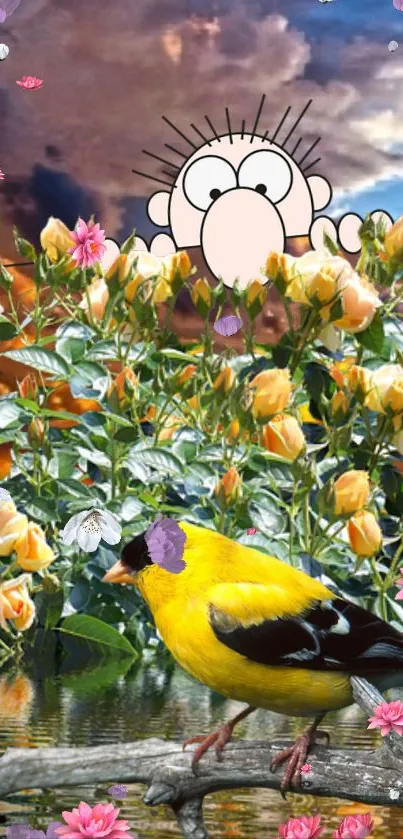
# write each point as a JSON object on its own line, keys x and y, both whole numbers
{"x": 238, "y": 197}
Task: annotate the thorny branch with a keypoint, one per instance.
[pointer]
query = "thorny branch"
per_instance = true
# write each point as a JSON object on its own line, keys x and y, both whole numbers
{"x": 371, "y": 776}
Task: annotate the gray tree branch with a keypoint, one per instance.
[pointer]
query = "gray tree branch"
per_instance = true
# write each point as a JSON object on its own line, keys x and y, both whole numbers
{"x": 373, "y": 776}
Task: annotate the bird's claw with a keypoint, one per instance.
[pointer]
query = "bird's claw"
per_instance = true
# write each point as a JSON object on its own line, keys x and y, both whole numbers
{"x": 218, "y": 739}
{"x": 295, "y": 756}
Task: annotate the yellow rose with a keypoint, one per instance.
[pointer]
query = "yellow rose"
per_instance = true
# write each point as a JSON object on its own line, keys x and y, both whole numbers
{"x": 364, "y": 533}
{"x": 225, "y": 380}
{"x": 283, "y": 436}
{"x": 360, "y": 301}
{"x": 386, "y": 389}
{"x": 279, "y": 265}
{"x": 56, "y": 239}
{"x": 234, "y": 431}
{"x": 13, "y": 525}
{"x": 393, "y": 242}
{"x": 124, "y": 387}
{"x": 177, "y": 266}
{"x": 273, "y": 391}
{"x": 351, "y": 491}
{"x": 162, "y": 291}
{"x": 229, "y": 487}
{"x": 254, "y": 297}
{"x": 94, "y": 302}
{"x": 122, "y": 266}
{"x": 317, "y": 275}
{"x": 33, "y": 552}
{"x": 16, "y": 604}
{"x": 359, "y": 382}
{"x": 132, "y": 287}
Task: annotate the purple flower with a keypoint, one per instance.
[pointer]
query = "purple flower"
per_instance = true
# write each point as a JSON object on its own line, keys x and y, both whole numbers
{"x": 166, "y": 543}
{"x": 25, "y": 831}
{"x": 118, "y": 791}
{"x": 228, "y": 325}
{"x": 7, "y": 7}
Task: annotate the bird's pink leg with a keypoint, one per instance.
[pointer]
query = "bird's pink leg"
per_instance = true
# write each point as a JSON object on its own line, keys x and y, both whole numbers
{"x": 220, "y": 738}
{"x": 296, "y": 756}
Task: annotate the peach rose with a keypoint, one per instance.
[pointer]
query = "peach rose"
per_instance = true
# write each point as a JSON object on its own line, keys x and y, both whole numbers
{"x": 13, "y": 526}
{"x": 33, "y": 552}
{"x": 16, "y": 604}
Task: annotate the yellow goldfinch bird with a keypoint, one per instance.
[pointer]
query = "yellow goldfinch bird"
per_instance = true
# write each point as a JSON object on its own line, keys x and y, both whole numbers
{"x": 256, "y": 630}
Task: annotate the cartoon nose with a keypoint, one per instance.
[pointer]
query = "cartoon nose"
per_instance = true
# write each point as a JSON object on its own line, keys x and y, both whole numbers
{"x": 239, "y": 231}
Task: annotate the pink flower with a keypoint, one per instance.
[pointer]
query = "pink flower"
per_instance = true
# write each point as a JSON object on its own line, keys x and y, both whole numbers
{"x": 306, "y": 768}
{"x": 388, "y": 717}
{"x": 305, "y": 827}
{"x": 399, "y": 584}
{"x": 398, "y": 4}
{"x": 87, "y": 822}
{"x": 354, "y": 827}
{"x": 30, "y": 82}
{"x": 2, "y": 175}
{"x": 251, "y": 531}
{"x": 89, "y": 247}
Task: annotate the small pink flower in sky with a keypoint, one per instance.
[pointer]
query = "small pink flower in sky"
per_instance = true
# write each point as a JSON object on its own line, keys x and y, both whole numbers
{"x": 89, "y": 243}
{"x": 304, "y": 827}
{"x": 388, "y": 716}
{"x": 307, "y": 767}
{"x": 251, "y": 531}
{"x": 30, "y": 82}
{"x": 86, "y": 822}
{"x": 399, "y": 584}
{"x": 355, "y": 827}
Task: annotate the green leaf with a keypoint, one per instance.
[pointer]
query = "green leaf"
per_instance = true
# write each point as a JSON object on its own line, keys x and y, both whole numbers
{"x": 92, "y": 682}
{"x": 70, "y": 349}
{"x": 162, "y": 461}
{"x": 97, "y": 457}
{"x": 40, "y": 359}
{"x": 9, "y": 412}
{"x": 42, "y": 510}
{"x": 49, "y": 607}
{"x": 129, "y": 244}
{"x": 177, "y": 354}
{"x": 7, "y": 329}
{"x": 96, "y": 637}
{"x": 330, "y": 244}
{"x": 373, "y": 338}
{"x": 267, "y": 517}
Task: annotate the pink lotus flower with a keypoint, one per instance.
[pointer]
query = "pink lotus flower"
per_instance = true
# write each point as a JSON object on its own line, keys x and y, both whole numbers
{"x": 305, "y": 827}
{"x": 399, "y": 584}
{"x": 30, "y": 82}
{"x": 89, "y": 247}
{"x": 388, "y": 716}
{"x": 355, "y": 827}
{"x": 307, "y": 767}
{"x": 87, "y": 822}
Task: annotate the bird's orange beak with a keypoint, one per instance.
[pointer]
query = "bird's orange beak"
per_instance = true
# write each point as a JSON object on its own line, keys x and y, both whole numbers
{"x": 119, "y": 574}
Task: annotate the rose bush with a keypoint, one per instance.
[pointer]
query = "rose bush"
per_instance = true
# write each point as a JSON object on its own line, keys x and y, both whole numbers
{"x": 295, "y": 449}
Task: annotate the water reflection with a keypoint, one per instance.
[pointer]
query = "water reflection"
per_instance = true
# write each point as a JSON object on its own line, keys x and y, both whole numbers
{"x": 114, "y": 704}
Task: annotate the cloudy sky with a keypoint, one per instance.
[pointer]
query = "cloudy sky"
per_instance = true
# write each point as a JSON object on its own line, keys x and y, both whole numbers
{"x": 112, "y": 68}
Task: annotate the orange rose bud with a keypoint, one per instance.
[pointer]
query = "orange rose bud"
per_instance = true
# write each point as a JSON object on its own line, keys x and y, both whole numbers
{"x": 6, "y": 460}
{"x": 225, "y": 380}
{"x": 124, "y": 388}
{"x": 364, "y": 534}
{"x": 229, "y": 487}
{"x": 339, "y": 406}
{"x": 283, "y": 436}
{"x": 28, "y": 387}
{"x": 36, "y": 432}
{"x": 234, "y": 431}
{"x": 351, "y": 491}
{"x": 359, "y": 381}
{"x": 187, "y": 373}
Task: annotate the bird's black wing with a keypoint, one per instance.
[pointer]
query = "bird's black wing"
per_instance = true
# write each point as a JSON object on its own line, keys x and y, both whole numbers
{"x": 330, "y": 635}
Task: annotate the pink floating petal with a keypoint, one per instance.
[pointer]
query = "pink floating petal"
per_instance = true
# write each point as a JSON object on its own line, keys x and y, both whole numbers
{"x": 398, "y": 4}
{"x": 7, "y": 7}
{"x": 228, "y": 325}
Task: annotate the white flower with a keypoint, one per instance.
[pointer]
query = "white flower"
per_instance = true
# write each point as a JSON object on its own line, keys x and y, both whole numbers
{"x": 89, "y": 527}
{"x": 331, "y": 338}
{"x": 4, "y": 496}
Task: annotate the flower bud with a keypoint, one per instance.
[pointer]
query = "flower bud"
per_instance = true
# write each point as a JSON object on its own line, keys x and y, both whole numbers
{"x": 273, "y": 391}
{"x": 254, "y": 298}
{"x": 229, "y": 488}
{"x": 177, "y": 268}
{"x": 224, "y": 381}
{"x": 28, "y": 387}
{"x": 364, "y": 534}
{"x": 351, "y": 492}
{"x": 234, "y": 431}
{"x": 124, "y": 388}
{"x": 339, "y": 407}
{"x": 359, "y": 381}
{"x": 283, "y": 436}
{"x": 36, "y": 432}
{"x": 202, "y": 296}
{"x": 187, "y": 373}
{"x": 56, "y": 239}
{"x": 279, "y": 268}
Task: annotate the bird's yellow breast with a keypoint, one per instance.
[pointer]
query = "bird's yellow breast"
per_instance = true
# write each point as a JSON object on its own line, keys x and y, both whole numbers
{"x": 180, "y": 605}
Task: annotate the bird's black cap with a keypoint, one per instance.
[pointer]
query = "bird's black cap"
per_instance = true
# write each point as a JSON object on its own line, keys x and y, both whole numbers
{"x": 135, "y": 554}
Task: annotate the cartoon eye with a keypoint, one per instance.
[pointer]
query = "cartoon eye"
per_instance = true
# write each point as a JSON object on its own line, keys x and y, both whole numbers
{"x": 206, "y": 179}
{"x": 268, "y": 173}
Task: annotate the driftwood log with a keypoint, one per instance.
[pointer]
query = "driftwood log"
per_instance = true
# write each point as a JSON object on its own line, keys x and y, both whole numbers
{"x": 371, "y": 776}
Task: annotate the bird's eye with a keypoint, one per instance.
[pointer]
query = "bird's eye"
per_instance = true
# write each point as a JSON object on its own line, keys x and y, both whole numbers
{"x": 268, "y": 173}
{"x": 206, "y": 179}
